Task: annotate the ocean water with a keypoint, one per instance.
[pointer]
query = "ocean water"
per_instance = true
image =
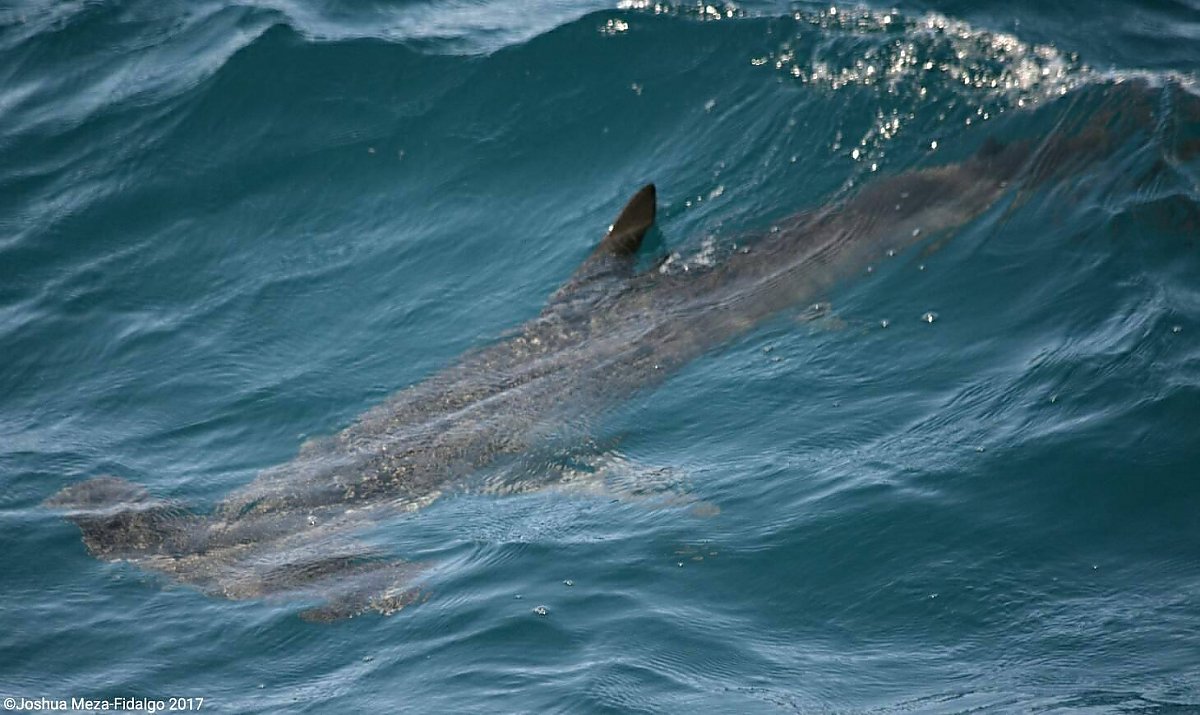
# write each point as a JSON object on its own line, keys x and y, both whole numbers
{"x": 226, "y": 227}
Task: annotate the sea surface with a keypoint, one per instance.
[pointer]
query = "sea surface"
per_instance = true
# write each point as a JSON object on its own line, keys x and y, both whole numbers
{"x": 227, "y": 226}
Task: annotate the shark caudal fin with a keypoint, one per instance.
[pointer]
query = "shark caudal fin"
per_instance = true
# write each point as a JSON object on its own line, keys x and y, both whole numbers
{"x": 617, "y": 250}
{"x": 120, "y": 520}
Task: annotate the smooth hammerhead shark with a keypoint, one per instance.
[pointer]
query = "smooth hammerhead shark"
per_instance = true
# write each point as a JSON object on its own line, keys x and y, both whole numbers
{"x": 609, "y": 330}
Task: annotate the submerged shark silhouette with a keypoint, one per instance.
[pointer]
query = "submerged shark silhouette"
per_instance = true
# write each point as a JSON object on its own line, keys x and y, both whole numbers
{"x": 608, "y": 331}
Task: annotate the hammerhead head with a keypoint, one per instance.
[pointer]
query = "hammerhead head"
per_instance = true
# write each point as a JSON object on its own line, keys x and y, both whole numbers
{"x": 609, "y": 330}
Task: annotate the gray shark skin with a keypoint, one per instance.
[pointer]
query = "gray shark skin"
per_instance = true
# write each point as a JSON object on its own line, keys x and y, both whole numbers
{"x": 610, "y": 330}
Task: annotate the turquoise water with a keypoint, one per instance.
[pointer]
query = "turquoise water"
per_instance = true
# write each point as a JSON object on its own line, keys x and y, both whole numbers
{"x": 228, "y": 227}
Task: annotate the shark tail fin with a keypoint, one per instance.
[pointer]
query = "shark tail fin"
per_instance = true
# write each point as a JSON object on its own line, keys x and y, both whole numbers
{"x": 120, "y": 520}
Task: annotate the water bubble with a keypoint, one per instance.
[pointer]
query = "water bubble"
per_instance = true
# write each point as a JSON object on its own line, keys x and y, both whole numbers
{"x": 929, "y": 316}
{"x": 614, "y": 27}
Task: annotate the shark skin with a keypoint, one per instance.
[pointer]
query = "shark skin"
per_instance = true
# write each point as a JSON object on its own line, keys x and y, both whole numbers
{"x": 609, "y": 331}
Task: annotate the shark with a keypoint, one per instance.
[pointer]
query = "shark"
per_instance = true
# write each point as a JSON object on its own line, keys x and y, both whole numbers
{"x": 615, "y": 326}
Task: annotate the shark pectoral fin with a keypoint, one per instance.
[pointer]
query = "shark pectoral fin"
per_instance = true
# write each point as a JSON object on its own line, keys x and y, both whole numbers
{"x": 610, "y": 474}
{"x": 381, "y": 586}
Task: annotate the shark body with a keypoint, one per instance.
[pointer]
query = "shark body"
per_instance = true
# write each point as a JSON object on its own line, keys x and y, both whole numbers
{"x": 610, "y": 330}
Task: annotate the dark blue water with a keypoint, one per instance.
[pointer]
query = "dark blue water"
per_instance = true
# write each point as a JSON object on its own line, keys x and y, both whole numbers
{"x": 229, "y": 226}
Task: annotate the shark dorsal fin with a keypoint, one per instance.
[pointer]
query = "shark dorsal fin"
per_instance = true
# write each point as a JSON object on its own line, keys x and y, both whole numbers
{"x": 615, "y": 254}
{"x": 617, "y": 248}
{"x": 625, "y": 236}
